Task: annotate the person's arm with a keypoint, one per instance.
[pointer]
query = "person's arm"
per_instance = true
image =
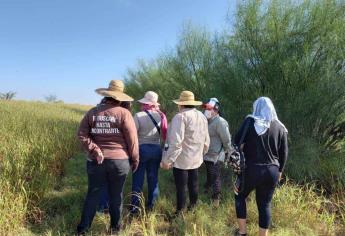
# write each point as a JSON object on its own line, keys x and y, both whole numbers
{"x": 240, "y": 131}
{"x": 207, "y": 140}
{"x": 224, "y": 134}
{"x": 283, "y": 151}
{"x": 164, "y": 126}
{"x": 175, "y": 139}
{"x": 131, "y": 137}
{"x": 86, "y": 140}
{"x": 136, "y": 121}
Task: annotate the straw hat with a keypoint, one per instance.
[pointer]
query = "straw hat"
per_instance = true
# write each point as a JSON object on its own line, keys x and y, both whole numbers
{"x": 150, "y": 98}
{"x": 187, "y": 98}
{"x": 115, "y": 90}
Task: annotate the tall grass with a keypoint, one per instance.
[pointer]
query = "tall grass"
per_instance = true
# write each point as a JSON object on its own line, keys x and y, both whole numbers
{"x": 42, "y": 189}
{"x": 36, "y": 140}
{"x": 297, "y": 210}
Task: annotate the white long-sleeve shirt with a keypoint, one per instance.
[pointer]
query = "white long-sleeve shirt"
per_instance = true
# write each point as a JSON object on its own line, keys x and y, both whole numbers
{"x": 188, "y": 140}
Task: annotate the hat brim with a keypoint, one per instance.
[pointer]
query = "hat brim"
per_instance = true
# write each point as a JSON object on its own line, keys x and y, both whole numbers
{"x": 191, "y": 103}
{"x": 146, "y": 101}
{"x": 120, "y": 96}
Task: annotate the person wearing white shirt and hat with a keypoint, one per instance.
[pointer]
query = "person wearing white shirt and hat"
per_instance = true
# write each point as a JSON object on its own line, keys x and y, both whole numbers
{"x": 187, "y": 142}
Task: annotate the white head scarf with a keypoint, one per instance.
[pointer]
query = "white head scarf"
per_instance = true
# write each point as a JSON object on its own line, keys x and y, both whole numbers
{"x": 264, "y": 113}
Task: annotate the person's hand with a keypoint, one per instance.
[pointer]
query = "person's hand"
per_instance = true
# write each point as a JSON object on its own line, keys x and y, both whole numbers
{"x": 280, "y": 176}
{"x": 235, "y": 189}
{"x": 165, "y": 166}
{"x": 134, "y": 166}
{"x": 100, "y": 157}
{"x": 237, "y": 184}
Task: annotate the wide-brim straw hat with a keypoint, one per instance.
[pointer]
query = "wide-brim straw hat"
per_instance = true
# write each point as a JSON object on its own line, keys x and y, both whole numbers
{"x": 116, "y": 91}
{"x": 150, "y": 98}
{"x": 187, "y": 98}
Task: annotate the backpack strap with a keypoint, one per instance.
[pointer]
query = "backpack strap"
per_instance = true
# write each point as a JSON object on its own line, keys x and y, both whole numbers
{"x": 153, "y": 121}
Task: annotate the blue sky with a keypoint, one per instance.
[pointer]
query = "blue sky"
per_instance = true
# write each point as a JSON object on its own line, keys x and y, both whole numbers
{"x": 68, "y": 48}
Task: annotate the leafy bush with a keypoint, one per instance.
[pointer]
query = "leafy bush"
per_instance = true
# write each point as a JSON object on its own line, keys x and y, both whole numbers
{"x": 290, "y": 51}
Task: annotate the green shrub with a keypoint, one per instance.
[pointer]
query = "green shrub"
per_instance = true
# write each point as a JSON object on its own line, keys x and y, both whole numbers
{"x": 291, "y": 51}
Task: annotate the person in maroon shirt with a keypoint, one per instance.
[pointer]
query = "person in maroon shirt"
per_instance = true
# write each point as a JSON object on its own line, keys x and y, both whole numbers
{"x": 109, "y": 136}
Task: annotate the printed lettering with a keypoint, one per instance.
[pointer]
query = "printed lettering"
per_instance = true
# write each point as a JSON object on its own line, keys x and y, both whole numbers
{"x": 106, "y": 119}
{"x": 102, "y": 124}
{"x": 105, "y": 131}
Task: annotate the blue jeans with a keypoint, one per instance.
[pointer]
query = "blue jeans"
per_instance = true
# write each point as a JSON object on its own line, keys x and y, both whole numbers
{"x": 150, "y": 158}
{"x": 104, "y": 199}
{"x": 111, "y": 173}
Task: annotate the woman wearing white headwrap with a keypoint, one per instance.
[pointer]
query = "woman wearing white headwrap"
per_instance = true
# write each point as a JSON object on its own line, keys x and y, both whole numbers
{"x": 265, "y": 148}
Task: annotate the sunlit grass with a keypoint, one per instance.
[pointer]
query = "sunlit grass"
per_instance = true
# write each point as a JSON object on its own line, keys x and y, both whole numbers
{"x": 36, "y": 140}
{"x": 297, "y": 210}
{"x": 43, "y": 185}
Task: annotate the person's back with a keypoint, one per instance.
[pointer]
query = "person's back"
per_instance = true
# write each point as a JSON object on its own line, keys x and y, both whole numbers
{"x": 147, "y": 132}
{"x": 218, "y": 129}
{"x": 151, "y": 125}
{"x": 109, "y": 130}
{"x": 108, "y": 134}
{"x": 266, "y": 149}
{"x": 187, "y": 142}
{"x": 220, "y": 143}
{"x": 194, "y": 127}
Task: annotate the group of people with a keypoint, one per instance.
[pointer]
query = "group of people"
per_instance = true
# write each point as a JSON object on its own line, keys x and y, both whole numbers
{"x": 116, "y": 142}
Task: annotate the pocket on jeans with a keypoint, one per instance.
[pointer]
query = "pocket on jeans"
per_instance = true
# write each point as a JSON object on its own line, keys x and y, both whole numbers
{"x": 127, "y": 166}
{"x": 149, "y": 152}
{"x": 123, "y": 166}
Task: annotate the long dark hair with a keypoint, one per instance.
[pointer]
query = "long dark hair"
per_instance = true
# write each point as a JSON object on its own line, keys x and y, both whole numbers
{"x": 110, "y": 100}
{"x": 127, "y": 105}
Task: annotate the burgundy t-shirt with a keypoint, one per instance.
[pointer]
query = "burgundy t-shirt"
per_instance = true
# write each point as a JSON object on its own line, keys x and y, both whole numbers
{"x": 111, "y": 129}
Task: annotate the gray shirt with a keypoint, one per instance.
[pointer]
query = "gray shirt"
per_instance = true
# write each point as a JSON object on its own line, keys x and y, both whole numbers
{"x": 220, "y": 139}
{"x": 188, "y": 140}
{"x": 147, "y": 132}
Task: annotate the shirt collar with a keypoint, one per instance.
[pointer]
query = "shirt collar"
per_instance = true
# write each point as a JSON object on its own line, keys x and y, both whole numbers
{"x": 187, "y": 109}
